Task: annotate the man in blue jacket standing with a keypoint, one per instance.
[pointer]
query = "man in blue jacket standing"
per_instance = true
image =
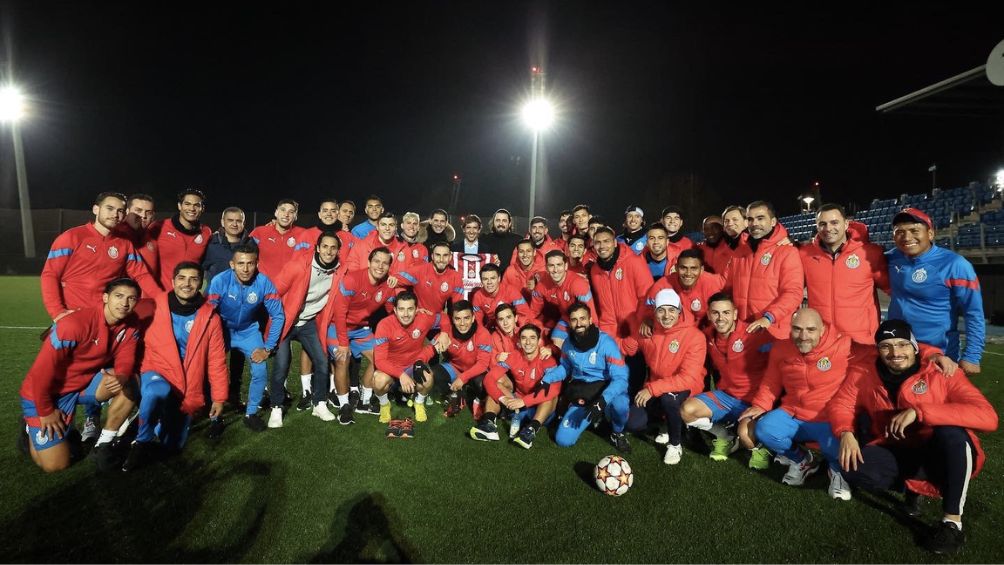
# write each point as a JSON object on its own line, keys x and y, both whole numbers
{"x": 240, "y": 294}
{"x": 931, "y": 287}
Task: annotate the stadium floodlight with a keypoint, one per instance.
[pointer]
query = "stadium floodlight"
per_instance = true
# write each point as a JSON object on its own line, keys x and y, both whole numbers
{"x": 808, "y": 200}
{"x": 999, "y": 180}
{"x": 538, "y": 114}
{"x": 12, "y": 105}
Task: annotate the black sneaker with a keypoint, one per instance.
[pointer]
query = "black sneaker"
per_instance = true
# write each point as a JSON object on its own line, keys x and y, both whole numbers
{"x": 23, "y": 442}
{"x": 304, "y": 403}
{"x": 911, "y": 504}
{"x": 106, "y": 457}
{"x": 333, "y": 399}
{"x": 620, "y": 441}
{"x": 287, "y": 400}
{"x": 945, "y": 538}
{"x": 361, "y": 407}
{"x": 525, "y": 437}
{"x": 346, "y": 414}
{"x": 139, "y": 455}
{"x": 374, "y": 404}
{"x": 216, "y": 427}
{"x": 255, "y": 423}
{"x": 484, "y": 430}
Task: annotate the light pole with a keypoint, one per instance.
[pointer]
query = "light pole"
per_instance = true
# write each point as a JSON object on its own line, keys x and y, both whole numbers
{"x": 12, "y": 109}
{"x": 538, "y": 115}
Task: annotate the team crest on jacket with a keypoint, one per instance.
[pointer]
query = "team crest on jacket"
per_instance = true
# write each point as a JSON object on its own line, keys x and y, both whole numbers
{"x": 252, "y": 298}
{"x": 639, "y": 245}
{"x": 919, "y": 276}
{"x": 113, "y": 252}
{"x": 198, "y": 239}
{"x": 188, "y": 326}
{"x": 824, "y": 364}
{"x": 737, "y": 346}
{"x": 400, "y": 256}
{"x": 415, "y": 333}
{"x": 852, "y": 261}
{"x": 444, "y": 287}
{"x": 414, "y": 253}
{"x": 149, "y": 245}
{"x": 379, "y": 295}
{"x": 695, "y": 305}
{"x": 619, "y": 274}
{"x": 566, "y": 296}
{"x": 592, "y": 358}
{"x": 470, "y": 346}
{"x": 765, "y": 260}
{"x": 291, "y": 242}
{"x": 919, "y": 387}
{"x": 674, "y": 346}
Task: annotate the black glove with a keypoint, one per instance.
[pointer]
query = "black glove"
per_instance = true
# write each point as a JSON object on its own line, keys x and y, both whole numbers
{"x": 541, "y": 386}
{"x": 595, "y": 410}
{"x": 418, "y": 372}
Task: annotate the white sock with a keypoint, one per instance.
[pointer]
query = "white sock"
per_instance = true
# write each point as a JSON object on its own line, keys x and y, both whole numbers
{"x": 366, "y": 394}
{"x": 343, "y": 399}
{"x": 701, "y": 424}
{"x": 383, "y": 399}
{"x": 958, "y": 524}
{"x": 721, "y": 432}
{"x": 353, "y": 389}
{"x": 331, "y": 382}
{"x": 305, "y": 383}
{"x": 419, "y": 398}
{"x": 106, "y": 437}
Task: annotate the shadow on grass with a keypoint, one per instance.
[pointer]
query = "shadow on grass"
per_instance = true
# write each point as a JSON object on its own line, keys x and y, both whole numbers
{"x": 367, "y": 530}
{"x": 585, "y": 471}
{"x": 138, "y": 517}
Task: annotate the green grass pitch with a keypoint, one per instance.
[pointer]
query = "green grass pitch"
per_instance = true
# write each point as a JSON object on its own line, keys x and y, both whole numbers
{"x": 320, "y": 492}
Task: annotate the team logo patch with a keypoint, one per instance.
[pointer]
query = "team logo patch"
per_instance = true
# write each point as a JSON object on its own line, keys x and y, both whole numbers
{"x": 824, "y": 364}
{"x": 198, "y": 239}
{"x": 415, "y": 333}
{"x": 470, "y": 346}
{"x": 919, "y": 387}
{"x": 738, "y": 346}
{"x": 619, "y": 274}
{"x": 919, "y": 276}
{"x": 113, "y": 252}
{"x": 41, "y": 438}
{"x": 188, "y": 326}
{"x": 149, "y": 245}
{"x": 252, "y": 298}
{"x": 444, "y": 287}
{"x": 379, "y": 296}
{"x": 592, "y": 358}
{"x": 291, "y": 242}
{"x": 765, "y": 260}
{"x": 566, "y": 296}
{"x": 639, "y": 245}
{"x": 414, "y": 253}
{"x": 695, "y": 305}
{"x": 853, "y": 261}
{"x": 674, "y": 346}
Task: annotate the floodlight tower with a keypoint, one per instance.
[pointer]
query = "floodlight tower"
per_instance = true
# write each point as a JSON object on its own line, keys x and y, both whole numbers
{"x": 538, "y": 113}
{"x": 12, "y": 111}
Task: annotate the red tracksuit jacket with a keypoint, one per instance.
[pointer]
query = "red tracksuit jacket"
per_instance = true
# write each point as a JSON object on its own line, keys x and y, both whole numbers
{"x": 359, "y": 256}
{"x": 292, "y": 283}
{"x": 176, "y": 244}
{"x": 694, "y": 300}
{"x": 517, "y": 278}
{"x": 357, "y": 299}
{"x": 551, "y": 300}
{"x": 525, "y": 375}
{"x": 276, "y": 249}
{"x": 675, "y": 357}
{"x": 618, "y": 291}
{"x": 396, "y": 348}
{"x": 739, "y": 360}
{"x": 769, "y": 280}
{"x": 485, "y": 305}
{"x": 717, "y": 258}
{"x": 470, "y": 357}
{"x": 433, "y": 288}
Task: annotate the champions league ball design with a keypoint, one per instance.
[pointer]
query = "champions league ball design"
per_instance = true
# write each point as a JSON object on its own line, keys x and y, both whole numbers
{"x": 613, "y": 475}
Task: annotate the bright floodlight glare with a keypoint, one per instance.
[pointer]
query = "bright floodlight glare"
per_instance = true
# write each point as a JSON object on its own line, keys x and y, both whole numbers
{"x": 538, "y": 114}
{"x": 11, "y": 104}
{"x": 808, "y": 199}
{"x": 1000, "y": 178}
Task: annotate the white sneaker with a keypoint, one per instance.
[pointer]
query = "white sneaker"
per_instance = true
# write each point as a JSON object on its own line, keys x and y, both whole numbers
{"x": 322, "y": 412}
{"x": 673, "y": 454}
{"x": 275, "y": 418}
{"x": 839, "y": 489}
{"x": 91, "y": 429}
{"x": 797, "y": 472}
{"x": 662, "y": 438}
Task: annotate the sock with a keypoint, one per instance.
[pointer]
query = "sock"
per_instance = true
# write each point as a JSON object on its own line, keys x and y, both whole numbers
{"x": 366, "y": 394}
{"x": 490, "y": 416}
{"x": 383, "y": 399}
{"x": 305, "y": 384}
{"x": 419, "y": 398}
{"x": 721, "y": 432}
{"x": 106, "y": 437}
{"x": 534, "y": 425}
{"x": 343, "y": 399}
{"x": 331, "y": 381}
{"x": 354, "y": 389}
{"x": 703, "y": 424}
{"x": 950, "y": 521}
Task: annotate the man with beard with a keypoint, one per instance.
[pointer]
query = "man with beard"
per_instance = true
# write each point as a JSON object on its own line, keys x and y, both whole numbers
{"x": 279, "y": 239}
{"x": 716, "y": 252}
{"x": 842, "y": 275}
{"x": 918, "y": 425}
{"x": 502, "y": 240}
{"x": 181, "y": 237}
{"x": 183, "y": 348}
{"x": 598, "y": 382}
{"x": 516, "y": 383}
{"x": 374, "y": 209}
{"x": 492, "y": 293}
{"x": 540, "y": 240}
{"x": 436, "y": 284}
{"x": 242, "y": 294}
{"x": 634, "y": 235}
{"x": 766, "y": 275}
{"x": 553, "y": 295}
{"x": 467, "y": 353}
{"x": 619, "y": 280}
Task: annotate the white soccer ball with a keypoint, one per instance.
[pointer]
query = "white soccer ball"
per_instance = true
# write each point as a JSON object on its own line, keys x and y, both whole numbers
{"x": 613, "y": 475}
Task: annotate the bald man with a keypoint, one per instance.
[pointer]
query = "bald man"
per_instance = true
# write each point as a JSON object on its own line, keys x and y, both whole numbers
{"x": 804, "y": 372}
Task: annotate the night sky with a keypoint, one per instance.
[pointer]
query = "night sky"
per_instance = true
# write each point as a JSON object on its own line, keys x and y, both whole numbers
{"x": 393, "y": 98}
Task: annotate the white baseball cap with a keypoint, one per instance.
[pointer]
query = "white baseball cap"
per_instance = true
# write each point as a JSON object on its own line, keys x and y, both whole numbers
{"x": 668, "y": 297}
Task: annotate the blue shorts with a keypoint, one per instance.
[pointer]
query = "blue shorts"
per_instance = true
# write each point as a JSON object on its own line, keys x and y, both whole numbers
{"x": 450, "y": 370}
{"x": 360, "y": 340}
{"x": 723, "y": 405}
{"x": 67, "y": 404}
{"x": 560, "y": 330}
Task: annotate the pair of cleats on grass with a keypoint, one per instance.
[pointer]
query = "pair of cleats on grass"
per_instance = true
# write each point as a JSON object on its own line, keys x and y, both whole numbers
{"x": 401, "y": 429}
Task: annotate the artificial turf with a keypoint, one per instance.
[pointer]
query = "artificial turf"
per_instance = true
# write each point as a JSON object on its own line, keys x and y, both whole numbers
{"x": 319, "y": 492}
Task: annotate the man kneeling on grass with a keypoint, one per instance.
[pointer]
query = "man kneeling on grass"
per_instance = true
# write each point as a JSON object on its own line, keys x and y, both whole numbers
{"x": 918, "y": 425}
{"x": 72, "y": 368}
{"x": 517, "y": 383}
{"x": 398, "y": 346}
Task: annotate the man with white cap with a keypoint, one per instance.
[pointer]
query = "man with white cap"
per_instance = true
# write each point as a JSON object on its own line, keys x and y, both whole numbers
{"x": 634, "y": 234}
{"x": 674, "y": 354}
{"x": 931, "y": 286}
{"x": 917, "y": 424}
